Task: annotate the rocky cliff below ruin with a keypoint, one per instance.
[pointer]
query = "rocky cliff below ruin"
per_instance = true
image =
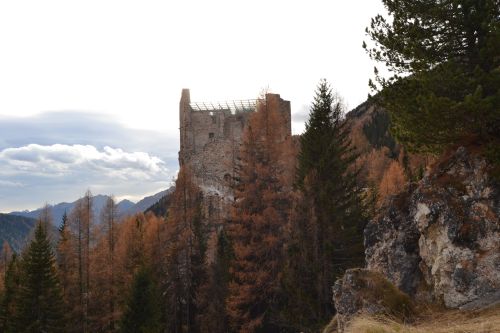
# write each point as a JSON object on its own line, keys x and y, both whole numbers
{"x": 442, "y": 238}
{"x": 438, "y": 241}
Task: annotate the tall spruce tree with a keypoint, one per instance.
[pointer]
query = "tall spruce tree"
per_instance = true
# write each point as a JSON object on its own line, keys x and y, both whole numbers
{"x": 64, "y": 223}
{"x": 327, "y": 225}
{"x": 142, "y": 314}
{"x": 39, "y": 304}
{"x": 445, "y": 65}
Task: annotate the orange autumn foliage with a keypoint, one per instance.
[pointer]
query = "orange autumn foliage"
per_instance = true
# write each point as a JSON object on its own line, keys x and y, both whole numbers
{"x": 392, "y": 182}
{"x": 258, "y": 221}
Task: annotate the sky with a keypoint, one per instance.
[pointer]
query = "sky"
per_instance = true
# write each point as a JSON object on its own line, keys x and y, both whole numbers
{"x": 89, "y": 90}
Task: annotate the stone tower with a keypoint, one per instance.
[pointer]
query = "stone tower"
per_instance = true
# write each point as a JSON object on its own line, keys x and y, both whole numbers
{"x": 211, "y": 135}
{"x": 210, "y": 139}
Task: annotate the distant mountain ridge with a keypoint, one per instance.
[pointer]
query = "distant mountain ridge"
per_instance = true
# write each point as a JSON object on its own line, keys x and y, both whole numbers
{"x": 16, "y": 227}
{"x": 124, "y": 207}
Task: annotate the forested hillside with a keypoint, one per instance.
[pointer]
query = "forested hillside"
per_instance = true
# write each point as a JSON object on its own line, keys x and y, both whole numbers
{"x": 15, "y": 230}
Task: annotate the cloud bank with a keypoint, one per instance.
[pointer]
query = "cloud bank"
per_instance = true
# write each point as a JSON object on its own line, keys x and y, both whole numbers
{"x": 60, "y": 160}
{"x": 57, "y": 156}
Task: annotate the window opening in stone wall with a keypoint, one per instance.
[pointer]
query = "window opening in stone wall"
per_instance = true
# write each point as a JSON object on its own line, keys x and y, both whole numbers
{"x": 210, "y": 135}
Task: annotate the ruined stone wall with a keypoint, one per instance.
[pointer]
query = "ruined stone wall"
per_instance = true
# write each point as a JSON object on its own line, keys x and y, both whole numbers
{"x": 210, "y": 143}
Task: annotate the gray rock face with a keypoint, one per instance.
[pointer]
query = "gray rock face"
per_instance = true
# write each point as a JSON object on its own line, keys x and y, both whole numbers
{"x": 361, "y": 291}
{"x": 348, "y": 300}
{"x": 443, "y": 237}
{"x": 391, "y": 244}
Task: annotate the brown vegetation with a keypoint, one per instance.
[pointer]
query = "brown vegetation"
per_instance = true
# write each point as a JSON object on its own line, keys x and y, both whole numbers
{"x": 258, "y": 221}
{"x": 486, "y": 321}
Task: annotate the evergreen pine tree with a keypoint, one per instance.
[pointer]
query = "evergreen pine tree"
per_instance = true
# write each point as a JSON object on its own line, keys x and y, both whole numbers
{"x": 142, "y": 314}
{"x": 63, "y": 225}
{"x": 327, "y": 226}
{"x": 445, "y": 83}
{"x": 39, "y": 304}
{"x": 322, "y": 129}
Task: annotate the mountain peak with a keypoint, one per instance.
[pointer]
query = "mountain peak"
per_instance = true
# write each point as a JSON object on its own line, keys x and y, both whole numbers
{"x": 124, "y": 207}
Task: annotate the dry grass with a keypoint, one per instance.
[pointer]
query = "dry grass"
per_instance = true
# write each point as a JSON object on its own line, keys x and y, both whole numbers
{"x": 331, "y": 327}
{"x": 486, "y": 321}
{"x": 378, "y": 290}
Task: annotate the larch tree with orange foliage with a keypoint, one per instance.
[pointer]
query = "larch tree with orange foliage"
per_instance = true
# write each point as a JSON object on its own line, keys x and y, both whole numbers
{"x": 103, "y": 307}
{"x": 65, "y": 257}
{"x": 129, "y": 251}
{"x": 155, "y": 240}
{"x": 6, "y": 292}
{"x": 9, "y": 294}
{"x": 258, "y": 223}
{"x": 6, "y": 255}
{"x": 73, "y": 259}
{"x": 392, "y": 182}
{"x": 186, "y": 248}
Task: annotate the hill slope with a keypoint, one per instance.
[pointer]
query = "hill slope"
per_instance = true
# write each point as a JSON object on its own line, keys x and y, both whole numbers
{"x": 160, "y": 207}
{"x": 146, "y": 203}
{"x": 15, "y": 230}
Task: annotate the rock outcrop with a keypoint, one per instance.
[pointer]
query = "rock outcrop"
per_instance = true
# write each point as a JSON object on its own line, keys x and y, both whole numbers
{"x": 361, "y": 291}
{"x": 441, "y": 239}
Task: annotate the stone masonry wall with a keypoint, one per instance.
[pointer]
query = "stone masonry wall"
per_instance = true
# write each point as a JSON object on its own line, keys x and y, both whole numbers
{"x": 210, "y": 142}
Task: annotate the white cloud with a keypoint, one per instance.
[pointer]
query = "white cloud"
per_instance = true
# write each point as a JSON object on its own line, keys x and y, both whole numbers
{"x": 60, "y": 160}
{"x": 56, "y": 156}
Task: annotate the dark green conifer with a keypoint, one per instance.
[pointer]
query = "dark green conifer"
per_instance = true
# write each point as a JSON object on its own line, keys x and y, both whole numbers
{"x": 142, "y": 314}
{"x": 39, "y": 304}
{"x": 64, "y": 222}
{"x": 321, "y": 128}
{"x": 445, "y": 66}
{"x": 327, "y": 226}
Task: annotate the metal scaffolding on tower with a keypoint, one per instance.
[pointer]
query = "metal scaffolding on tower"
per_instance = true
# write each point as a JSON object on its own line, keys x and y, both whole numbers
{"x": 233, "y": 106}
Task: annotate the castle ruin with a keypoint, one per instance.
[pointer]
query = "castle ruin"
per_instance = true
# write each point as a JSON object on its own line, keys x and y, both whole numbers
{"x": 210, "y": 139}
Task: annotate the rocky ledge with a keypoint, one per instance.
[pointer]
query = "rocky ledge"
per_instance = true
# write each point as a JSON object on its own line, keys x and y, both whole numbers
{"x": 440, "y": 240}
{"x": 361, "y": 291}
